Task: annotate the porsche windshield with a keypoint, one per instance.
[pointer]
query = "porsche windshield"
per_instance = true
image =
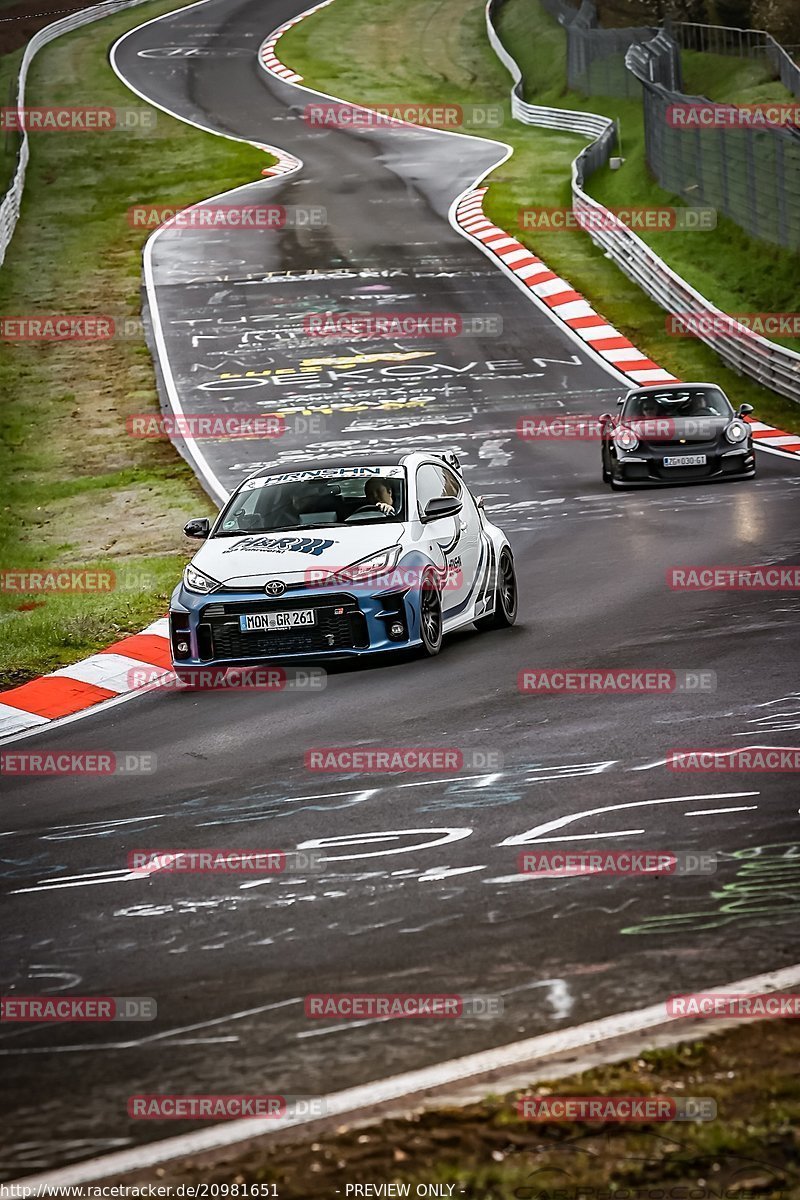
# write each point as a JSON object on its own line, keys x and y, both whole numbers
{"x": 315, "y": 498}
{"x": 678, "y": 402}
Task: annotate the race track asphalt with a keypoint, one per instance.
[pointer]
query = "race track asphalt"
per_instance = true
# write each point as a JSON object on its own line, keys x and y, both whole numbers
{"x": 421, "y": 892}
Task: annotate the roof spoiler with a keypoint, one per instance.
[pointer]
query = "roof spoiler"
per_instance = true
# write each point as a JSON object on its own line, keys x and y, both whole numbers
{"x": 451, "y": 458}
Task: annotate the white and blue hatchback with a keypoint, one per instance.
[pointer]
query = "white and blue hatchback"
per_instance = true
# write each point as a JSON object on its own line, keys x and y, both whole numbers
{"x": 341, "y": 559}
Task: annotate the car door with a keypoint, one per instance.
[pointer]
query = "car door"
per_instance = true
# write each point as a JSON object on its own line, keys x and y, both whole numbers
{"x": 456, "y": 539}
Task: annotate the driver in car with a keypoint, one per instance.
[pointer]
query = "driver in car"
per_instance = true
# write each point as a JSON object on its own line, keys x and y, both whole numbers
{"x": 378, "y": 493}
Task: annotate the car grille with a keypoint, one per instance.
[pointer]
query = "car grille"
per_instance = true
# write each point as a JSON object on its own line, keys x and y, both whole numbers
{"x": 340, "y": 625}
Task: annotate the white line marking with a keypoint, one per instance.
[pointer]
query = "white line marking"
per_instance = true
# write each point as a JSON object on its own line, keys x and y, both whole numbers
{"x": 408, "y": 1087}
{"x": 709, "y": 812}
{"x": 522, "y": 839}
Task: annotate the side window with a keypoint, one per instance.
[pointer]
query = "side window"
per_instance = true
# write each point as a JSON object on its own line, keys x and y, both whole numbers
{"x": 452, "y": 485}
{"x": 430, "y": 485}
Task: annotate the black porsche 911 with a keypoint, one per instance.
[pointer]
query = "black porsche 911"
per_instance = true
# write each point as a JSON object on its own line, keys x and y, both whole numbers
{"x": 676, "y": 433}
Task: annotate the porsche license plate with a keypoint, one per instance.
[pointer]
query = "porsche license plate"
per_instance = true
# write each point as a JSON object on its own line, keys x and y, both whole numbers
{"x": 292, "y": 618}
{"x": 686, "y": 460}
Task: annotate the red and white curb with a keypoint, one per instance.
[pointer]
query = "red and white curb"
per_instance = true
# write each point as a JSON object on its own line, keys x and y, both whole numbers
{"x": 564, "y": 302}
{"x": 577, "y": 314}
{"x": 266, "y": 53}
{"x": 286, "y": 164}
{"x": 105, "y": 676}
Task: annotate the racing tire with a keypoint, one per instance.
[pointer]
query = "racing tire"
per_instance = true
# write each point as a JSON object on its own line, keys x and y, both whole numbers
{"x": 505, "y": 596}
{"x": 430, "y": 617}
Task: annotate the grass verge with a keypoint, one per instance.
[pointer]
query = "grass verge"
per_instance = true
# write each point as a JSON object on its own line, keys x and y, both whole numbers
{"x": 80, "y": 493}
{"x": 437, "y": 50}
{"x": 751, "y": 1151}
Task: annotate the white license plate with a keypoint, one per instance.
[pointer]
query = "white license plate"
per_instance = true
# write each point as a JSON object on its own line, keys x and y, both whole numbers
{"x": 686, "y": 460}
{"x": 292, "y": 618}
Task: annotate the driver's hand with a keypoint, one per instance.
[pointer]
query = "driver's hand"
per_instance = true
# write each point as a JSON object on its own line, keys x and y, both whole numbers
{"x": 385, "y": 508}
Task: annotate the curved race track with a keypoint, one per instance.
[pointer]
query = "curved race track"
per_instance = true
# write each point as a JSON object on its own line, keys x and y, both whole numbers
{"x": 229, "y": 961}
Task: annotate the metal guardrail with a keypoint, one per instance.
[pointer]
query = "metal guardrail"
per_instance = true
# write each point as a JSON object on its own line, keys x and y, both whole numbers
{"x": 10, "y": 205}
{"x": 769, "y": 363}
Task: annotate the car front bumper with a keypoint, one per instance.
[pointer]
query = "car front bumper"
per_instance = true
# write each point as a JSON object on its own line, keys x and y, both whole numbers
{"x": 205, "y": 630}
{"x": 646, "y": 468}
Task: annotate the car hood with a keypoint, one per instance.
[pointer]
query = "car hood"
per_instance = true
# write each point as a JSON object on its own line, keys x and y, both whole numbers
{"x": 251, "y": 559}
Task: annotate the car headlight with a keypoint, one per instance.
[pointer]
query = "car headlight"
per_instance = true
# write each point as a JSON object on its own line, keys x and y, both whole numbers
{"x": 196, "y": 581}
{"x": 736, "y": 431}
{"x": 366, "y": 568}
{"x": 625, "y": 438}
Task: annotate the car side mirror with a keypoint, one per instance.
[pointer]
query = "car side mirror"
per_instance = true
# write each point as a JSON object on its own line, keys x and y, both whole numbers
{"x": 744, "y": 410}
{"x": 480, "y": 503}
{"x": 605, "y": 418}
{"x": 199, "y": 527}
{"x": 442, "y": 506}
{"x": 621, "y": 400}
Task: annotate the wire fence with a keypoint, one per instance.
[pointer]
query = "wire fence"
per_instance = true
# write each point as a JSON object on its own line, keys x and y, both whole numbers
{"x": 713, "y": 154}
{"x": 737, "y": 161}
{"x": 744, "y": 43}
{"x": 775, "y": 366}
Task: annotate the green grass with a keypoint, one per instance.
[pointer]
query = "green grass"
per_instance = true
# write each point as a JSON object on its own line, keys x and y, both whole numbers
{"x": 79, "y": 492}
{"x": 438, "y": 50}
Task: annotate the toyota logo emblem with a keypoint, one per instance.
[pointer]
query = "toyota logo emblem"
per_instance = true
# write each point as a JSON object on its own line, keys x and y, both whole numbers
{"x": 275, "y": 588}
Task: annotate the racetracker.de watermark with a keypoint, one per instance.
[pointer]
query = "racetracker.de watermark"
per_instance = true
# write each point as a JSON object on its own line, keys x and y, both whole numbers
{"x": 559, "y": 864}
{"x": 77, "y": 762}
{"x": 734, "y": 1004}
{"x": 767, "y": 114}
{"x": 734, "y": 579}
{"x": 224, "y": 861}
{"x": 365, "y": 326}
{"x": 593, "y": 220}
{"x": 77, "y": 1008}
{"x": 222, "y": 1107}
{"x": 229, "y": 679}
{"x": 383, "y": 115}
{"x": 389, "y": 579}
{"x": 244, "y": 218}
{"x": 57, "y": 327}
{"x": 584, "y": 428}
{"x": 616, "y": 681}
{"x": 357, "y": 1006}
{"x": 741, "y": 325}
{"x": 206, "y": 425}
{"x": 401, "y": 758}
{"x": 617, "y": 1109}
{"x": 82, "y": 119}
{"x": 62, "y": 580}
{"x": 748, "y": 758}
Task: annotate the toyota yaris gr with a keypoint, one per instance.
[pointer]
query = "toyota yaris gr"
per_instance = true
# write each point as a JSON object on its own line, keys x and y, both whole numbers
{"x": 676, "y": 433}
{"x": 341, "y": 559}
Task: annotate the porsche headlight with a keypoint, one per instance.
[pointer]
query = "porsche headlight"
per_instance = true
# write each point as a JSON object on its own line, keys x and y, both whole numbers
{"x": 736, "y": 431}
{"x": 196, "y": 581}
{"x": 625, "y": 438}
{"x": 366, "y": 568}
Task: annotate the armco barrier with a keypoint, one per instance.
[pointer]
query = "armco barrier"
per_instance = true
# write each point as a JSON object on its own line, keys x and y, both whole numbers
{"x": 9, "y": 208}
{"x": 773, "y": 365}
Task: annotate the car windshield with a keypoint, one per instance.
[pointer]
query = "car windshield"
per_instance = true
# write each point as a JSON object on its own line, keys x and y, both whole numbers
{"x": 311, "y": 498}
{"x": 678, "y": 402}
